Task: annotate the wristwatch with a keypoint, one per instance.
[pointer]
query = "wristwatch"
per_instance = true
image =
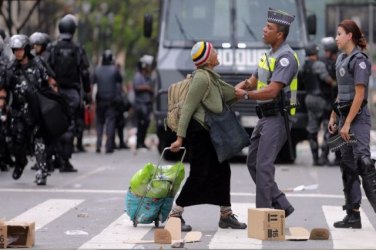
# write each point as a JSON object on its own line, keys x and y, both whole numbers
{"x": 245, "y": 94}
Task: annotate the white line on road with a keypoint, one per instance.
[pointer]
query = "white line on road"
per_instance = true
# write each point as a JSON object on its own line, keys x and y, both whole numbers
{"x": 116, "y": 235}
{"x": 232, "y": 238}
{"x": 123, "y": 192}
{"x": 349, "y": 238}
{"x": 47, "y": 211}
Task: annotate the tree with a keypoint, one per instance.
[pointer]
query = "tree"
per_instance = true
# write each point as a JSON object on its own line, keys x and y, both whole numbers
{"x": 8, "y": 9}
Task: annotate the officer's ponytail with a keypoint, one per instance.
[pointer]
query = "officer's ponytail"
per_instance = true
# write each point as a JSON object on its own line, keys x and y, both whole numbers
{"x": 357, "y": 36}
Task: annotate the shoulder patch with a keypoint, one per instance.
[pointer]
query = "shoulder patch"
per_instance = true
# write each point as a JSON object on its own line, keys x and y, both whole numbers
{"x": 362, "y": 65}
{"x": 284, "y": 62}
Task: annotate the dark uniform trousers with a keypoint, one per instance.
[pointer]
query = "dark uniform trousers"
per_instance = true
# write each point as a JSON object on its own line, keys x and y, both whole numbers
{"x": 350, "y": 155}
{"x": 106, "y": 117}
{"x": 73, "y": 99}
{"x": 266, "y": 141}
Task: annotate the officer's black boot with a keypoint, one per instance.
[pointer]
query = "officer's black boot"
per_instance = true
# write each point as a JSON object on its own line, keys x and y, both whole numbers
{"x": 3, "y": 167}
{"x": 41, "y": 177}
{"x": 17, "y": 172}
{"x": 67, "y": 167}
{"x": 314, "y": 149}
{"x": 351, "y": 220}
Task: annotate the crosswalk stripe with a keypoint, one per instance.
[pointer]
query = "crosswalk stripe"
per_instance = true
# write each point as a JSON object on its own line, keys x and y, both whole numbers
{"x": 47, "y": 211}
{"x": 118, "y": 235}
{"x": 349, "y": 238}
{"x": 233, "y": 238}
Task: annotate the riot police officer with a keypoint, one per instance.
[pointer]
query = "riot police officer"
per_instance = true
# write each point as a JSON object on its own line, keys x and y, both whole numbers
{"x": 26, "y": 75}
{"x": 5, "y": 158}
{"x": 317, "y": 82}
{"x": 353, "y": 70}
{"x": 330, "y": 58}
{"x": 108, "y": 78}
{"x": 144, "y": 90}
{"x": 71, "y": 66}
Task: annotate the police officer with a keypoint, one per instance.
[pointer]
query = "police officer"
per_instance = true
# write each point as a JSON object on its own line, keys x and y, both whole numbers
{"x": 26, "y": 75}
{"x": 71, "y": 66}
{"x": 108, "y": 78}
{"x": 353, "y": 70}
{"x": 276, "y": 74}
{"x": 5, "y": 158}
{"x": 317, "y": 81}
{"x": 144, "y": 89}
{"x": 330, "y": 58}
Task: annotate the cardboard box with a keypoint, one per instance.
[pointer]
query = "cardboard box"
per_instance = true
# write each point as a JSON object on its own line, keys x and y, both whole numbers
{"x": 3, "y": 234}
{"x": 17, "y": 234}
{"x": 266, "y": 224}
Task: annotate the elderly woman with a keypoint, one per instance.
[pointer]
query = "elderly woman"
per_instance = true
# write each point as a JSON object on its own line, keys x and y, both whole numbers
{"x": 208, "y": 181}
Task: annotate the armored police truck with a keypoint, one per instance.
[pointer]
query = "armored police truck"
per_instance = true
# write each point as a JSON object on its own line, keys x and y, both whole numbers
{"x": 235, "y": 28}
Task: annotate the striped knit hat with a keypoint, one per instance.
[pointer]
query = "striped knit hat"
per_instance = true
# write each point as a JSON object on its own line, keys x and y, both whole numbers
{"x": 200, "y": 52}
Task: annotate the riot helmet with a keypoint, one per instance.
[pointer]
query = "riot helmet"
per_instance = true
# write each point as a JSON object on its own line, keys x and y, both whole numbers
{"x": 146, "y": 61}
{"x": 311, "y": 49}
{"x": 40, "y": 38}
{"x": 20, "y": 41}
{"x": 107, "y": 57}
{"x": 67, "y": 26}
{"x": 329, "y": 44}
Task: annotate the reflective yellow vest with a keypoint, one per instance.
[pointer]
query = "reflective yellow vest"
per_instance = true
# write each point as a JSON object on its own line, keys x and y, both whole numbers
{"x": 265, "y": 70}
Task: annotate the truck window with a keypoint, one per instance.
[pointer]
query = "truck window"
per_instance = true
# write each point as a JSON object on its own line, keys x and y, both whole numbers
{"x": 195, "y": 20}
{"x": 251, "y": 19}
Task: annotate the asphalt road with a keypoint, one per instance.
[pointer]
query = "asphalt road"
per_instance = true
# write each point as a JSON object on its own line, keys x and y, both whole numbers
{"x": 85, "y": 210}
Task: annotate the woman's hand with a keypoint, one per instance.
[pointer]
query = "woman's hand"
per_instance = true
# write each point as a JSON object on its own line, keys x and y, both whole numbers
{"x": 332, "y": 125}
{"x": 345, "y": 131}
{"x": 175, "y": 146}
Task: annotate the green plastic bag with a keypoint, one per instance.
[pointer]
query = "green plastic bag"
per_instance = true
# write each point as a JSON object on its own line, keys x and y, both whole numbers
{"x": 161, "y": 185}
{"x": 141, "y": 178}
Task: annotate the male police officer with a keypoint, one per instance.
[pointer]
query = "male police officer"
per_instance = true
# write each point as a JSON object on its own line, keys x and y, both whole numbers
{"x": 317, "y": 82}
{"x": 71, "y": 66}
{"x": 108, "y": 78}
{"x": 330, "y": 58}
{"x": 275, "y": 76}
{"x": 144, "y": 89}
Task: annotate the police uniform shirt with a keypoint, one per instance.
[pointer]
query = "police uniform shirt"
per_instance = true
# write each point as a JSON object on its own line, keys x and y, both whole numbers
{"x": 361, "y": 68}
{"x": 285, "y": 69}
{"x": 141, "y": 96}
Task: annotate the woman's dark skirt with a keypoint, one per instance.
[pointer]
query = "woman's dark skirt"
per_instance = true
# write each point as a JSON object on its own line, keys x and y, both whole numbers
{"x": 208, "y": 181}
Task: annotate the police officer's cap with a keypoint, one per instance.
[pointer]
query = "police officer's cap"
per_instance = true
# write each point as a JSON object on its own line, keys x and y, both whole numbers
{"x": 280, "y": 17}
{"x": 329, "y": 44}
{"x": 67, "y": 26}
{"x": 311, "y": 49}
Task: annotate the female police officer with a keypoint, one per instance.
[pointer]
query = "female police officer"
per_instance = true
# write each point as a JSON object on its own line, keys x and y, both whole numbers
{"x": 353, "y": 70}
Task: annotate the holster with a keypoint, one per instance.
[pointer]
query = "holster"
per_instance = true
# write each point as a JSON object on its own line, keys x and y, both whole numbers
{"x": 343, "y": 108}
{"x": 368, "y": 174}
{"x": 267, "y": 109}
